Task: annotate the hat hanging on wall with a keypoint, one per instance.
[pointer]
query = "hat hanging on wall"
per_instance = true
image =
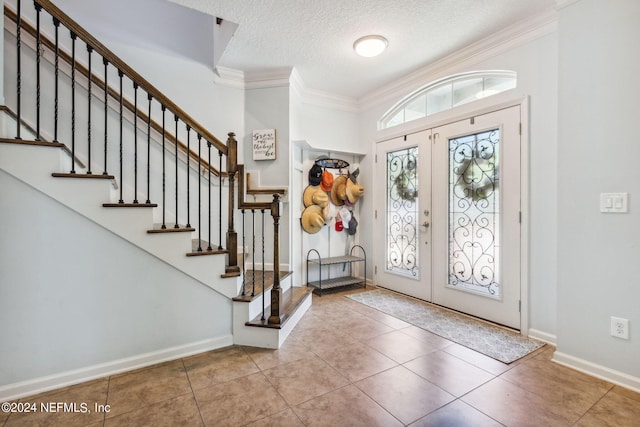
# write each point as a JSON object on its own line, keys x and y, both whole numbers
{"x": 353, "y": 225}
{"x": 339, "y": 190}
{"x": 315, "y": 175}
{"x": 312, "y": 219}
{"x": 315, "y": 196}
{"x": 354, "y": 191}
{"x": 327, "y": 181}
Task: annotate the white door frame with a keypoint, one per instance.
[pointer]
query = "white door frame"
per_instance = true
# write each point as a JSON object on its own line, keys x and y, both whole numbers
{"x": 484, "y": 106}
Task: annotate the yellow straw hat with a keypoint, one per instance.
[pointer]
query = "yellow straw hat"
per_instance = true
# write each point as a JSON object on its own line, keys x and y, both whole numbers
{"x": 314, "y": 196}
{"x": 354, "y": 191}
{"x": 312, "y": 219}
{"x": 339, "y": 190}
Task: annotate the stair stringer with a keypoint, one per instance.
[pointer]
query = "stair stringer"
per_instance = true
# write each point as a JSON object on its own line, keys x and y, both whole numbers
{"x": 33, "y": 165}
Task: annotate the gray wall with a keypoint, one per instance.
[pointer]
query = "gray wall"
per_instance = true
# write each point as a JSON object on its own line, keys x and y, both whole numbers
{"x": 597, "y": 152}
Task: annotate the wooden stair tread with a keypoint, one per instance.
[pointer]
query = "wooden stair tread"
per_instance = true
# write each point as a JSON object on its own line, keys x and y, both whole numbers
{"x": 257, "y": 274}
{"x": 157, "y": 228}
{"x": 31, "y": 142}
{"x": 130, "y": 205}
{"x": 82, "y": 175}
{"x": 204, "y": 245}
{"x": 291, "y": 300}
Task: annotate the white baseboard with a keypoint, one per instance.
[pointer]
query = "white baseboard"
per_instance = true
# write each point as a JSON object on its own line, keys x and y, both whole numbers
{"x": 64, "y": 379}
{"x": 542, "y": 336}
{"x": 598, "y": 371}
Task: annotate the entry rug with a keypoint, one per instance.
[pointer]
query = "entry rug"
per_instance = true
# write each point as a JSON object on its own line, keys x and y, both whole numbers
{"x": 496, "y": 342}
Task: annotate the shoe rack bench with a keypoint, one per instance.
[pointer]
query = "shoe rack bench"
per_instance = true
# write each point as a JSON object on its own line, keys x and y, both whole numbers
{"x": 321, "y": 285}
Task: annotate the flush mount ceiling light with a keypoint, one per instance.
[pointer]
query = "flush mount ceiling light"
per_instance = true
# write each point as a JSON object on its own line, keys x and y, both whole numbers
{"x": 369, "y": 46}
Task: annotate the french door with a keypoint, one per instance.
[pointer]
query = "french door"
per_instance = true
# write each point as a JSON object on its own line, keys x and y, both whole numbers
{"x": 450, "y": 211}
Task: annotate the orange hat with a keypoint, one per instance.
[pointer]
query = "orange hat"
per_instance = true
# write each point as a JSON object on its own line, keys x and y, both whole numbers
{"x": 327, "y": 181}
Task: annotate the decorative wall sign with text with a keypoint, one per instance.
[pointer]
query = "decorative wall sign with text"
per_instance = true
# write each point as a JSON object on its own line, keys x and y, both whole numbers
{"x": 264, "y": 144}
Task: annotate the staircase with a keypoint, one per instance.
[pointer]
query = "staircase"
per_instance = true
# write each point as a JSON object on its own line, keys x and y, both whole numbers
{"x": 85, "y": 129}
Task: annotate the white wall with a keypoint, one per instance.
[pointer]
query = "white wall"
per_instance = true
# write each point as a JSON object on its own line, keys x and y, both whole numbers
{"x": 535, "y": 62}
{"x": 597, "y": 152}
{"x": 73, "y": 295}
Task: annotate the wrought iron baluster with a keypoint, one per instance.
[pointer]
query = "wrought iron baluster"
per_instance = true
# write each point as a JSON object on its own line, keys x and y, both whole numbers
{"x": 164, "y": 176}
{"x": 38, "y": 57}
{"x": 73, "y": 102}
{"x": 106, "y": 110}
{"x": 150, "y": 98}
{"x": 220, "y": 200}
{"x": 176, "y": 119}
{"x": 120, "y": 75}
{"x": 199, "y": 193}
{"x": 253, "y": 252}
{"x": 188, "y": 180}
{"x": 56, "y": 98}
{"x": 244, "y": 242}
{"x": 263, "y": 291}
{"x": 135, "y": 142}
{"x": 89, "y": 51}
{"x": 209, "y": 248}
{"x": 19, "y": 69}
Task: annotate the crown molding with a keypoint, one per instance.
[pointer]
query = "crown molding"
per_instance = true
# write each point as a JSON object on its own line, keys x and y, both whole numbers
{"x": 561, "y": 4}
{"x": 320, "y": 98}
{"x": 507, "y": 39}
{"x": 229, "y": 77}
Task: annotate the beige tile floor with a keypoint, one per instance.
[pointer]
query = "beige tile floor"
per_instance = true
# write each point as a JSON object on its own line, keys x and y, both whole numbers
{"x": 346, "y": 364}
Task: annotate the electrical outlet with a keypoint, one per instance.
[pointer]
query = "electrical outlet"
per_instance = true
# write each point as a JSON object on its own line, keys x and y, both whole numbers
{"x": 620, "y": 327}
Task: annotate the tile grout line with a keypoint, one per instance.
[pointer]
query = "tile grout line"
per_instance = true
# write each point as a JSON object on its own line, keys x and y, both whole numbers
{"x": 193, "y": 393}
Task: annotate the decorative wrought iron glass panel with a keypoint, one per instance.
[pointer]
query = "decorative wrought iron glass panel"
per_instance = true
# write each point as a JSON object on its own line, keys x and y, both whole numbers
{"x": 474, "y": 213}
{"x": 402, "y": 212}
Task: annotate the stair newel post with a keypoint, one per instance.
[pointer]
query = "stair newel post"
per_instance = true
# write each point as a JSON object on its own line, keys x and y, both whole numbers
{"x": 135, "y": 142}
{"x": 89, "y": 94}
{"x": 38, "y": 57}
{"x": 209, "y": 247}
{"x": 176, "y": 160}
{"x": 19, "y": 69}
{"x": 56, "y": 84}
{"x": 105, "y": 62}
{"x": 73, "y": 102}
{"x": 188, "y": 180}
{"x": 164, "y": 175}
{"x": 232, "y": 236}
{"x": 219, "y": 200}
{"x": 121, "y": 183}
{"x": 263, "y": 269}
{"x": 199, "y": 193}
{"x": 276, "y": 292}
{"x": 150, "y": 98}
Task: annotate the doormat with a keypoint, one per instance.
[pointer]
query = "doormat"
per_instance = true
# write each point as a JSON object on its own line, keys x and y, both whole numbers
{"x": 493, "y": 341}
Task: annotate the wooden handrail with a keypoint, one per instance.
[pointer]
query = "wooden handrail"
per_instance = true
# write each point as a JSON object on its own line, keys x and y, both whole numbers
{"x": 113, "y": 93}
{"x": 113, "y": 59}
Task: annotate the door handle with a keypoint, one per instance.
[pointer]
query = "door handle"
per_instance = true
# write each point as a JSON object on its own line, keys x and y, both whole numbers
{"x": 425, "y": 224}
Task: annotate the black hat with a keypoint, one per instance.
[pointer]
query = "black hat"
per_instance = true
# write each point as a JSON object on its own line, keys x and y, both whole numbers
{"x": 315, "y": 175}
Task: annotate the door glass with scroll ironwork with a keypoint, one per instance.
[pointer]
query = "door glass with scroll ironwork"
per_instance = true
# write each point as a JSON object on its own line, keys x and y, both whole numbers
{"x": 402, "y": 212}
{"x": 474, "y": 213}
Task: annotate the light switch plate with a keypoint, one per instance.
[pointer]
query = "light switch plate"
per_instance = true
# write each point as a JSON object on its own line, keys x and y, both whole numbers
{"x": 614, "y": 202}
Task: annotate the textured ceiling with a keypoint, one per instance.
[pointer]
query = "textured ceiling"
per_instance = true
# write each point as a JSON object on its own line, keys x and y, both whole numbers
{"x": 316, "y": 36}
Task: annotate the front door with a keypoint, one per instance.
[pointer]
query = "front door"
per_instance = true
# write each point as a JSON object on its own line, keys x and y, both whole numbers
{"x": 403, "y": 250}
{"x": 463, "y": 213}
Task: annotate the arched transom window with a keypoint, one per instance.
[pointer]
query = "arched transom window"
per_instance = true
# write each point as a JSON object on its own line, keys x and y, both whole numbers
{"x": 447, "y": 93}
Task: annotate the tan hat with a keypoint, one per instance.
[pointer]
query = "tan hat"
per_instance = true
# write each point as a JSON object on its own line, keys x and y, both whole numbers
{"x": 314, "y": 196}
{"x": 312, "y": 219}
{"x": 354, "y": 191}
{"x": 339, "y": 190}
